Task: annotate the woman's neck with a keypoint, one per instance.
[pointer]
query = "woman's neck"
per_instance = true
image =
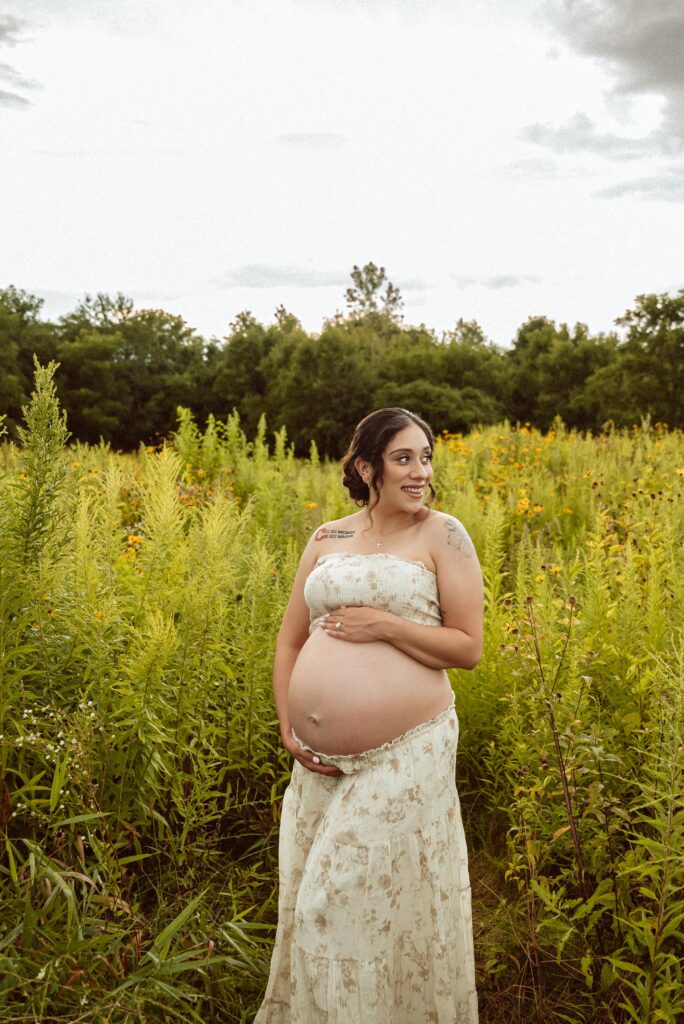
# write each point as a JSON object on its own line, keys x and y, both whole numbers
{"x": 383, "y": 526}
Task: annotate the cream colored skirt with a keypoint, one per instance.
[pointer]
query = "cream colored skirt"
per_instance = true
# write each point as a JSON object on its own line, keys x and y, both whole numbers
{"x": 374, "y": 921}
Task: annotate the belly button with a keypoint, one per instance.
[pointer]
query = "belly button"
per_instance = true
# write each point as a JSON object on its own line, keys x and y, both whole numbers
{"x": 313, "y": 719}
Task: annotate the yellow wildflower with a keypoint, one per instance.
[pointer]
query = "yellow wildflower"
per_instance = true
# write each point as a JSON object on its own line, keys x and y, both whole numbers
{"x": 311, "y": 504}
{"x": 99, "y": 615}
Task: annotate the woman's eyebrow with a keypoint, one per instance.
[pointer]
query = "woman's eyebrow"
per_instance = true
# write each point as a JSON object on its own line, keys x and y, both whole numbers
{"x": 426, "y": 449}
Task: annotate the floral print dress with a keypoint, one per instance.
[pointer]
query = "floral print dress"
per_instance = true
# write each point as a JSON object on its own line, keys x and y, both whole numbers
{"x": 374, "y": 912}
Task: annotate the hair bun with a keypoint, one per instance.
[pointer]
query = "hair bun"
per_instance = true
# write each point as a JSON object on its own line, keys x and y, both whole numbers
{"x": 355, "y": 484}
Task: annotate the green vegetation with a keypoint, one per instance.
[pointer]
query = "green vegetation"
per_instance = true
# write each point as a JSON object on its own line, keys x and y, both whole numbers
{"x": 140, "y": 770}
{"x": 123, "y": 371}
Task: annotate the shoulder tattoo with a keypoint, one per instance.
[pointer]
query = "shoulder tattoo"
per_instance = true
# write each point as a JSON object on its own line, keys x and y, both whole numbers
{"x": 457, "y": 537}
{"x": 325, "y": 533}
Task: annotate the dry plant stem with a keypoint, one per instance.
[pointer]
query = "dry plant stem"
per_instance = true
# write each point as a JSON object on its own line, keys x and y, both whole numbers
{"x": 535, "y": 953}
{"x": 612, "y": 852}
{"x": 548, "y": 701}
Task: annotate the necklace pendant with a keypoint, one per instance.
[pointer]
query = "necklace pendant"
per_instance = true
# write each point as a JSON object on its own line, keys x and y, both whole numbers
{"x": 379, "y": 544}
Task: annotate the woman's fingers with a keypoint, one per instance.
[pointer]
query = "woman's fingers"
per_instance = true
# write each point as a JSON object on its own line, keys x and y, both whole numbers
{"x": 308, "y": 759}
{"x": 312, "y": 762}
{"x": 320, "y": 769}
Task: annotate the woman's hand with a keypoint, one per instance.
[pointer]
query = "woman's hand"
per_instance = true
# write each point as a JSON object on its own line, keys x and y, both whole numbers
{"x": 356, "y": 625}
{"x": 306, "y": 757}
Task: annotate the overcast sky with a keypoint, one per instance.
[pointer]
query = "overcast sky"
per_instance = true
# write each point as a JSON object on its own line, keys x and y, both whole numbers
{"x": 500, "y": 159}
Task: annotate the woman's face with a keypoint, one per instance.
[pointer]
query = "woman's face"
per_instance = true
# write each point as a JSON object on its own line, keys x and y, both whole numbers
{"x": 407, "y": 470}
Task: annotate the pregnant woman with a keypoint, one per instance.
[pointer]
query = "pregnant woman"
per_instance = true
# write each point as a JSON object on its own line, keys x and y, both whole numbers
{"x": 374, "y": 910}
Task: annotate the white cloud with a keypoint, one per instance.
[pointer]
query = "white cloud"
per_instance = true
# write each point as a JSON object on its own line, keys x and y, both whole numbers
{"x": 12, "y": 99}
{"x": 580, "y": 134}
{"x": 11, "y": 75}
{"x": 668, "y": 188}
{"x": 261, "y": 275}
{"x": 497, "y": 281}
{"x": 10, "y": 27}
{"x": 640, "y": 43}
{"x": 531, "y": 168}
{"x": 640, "y": 46}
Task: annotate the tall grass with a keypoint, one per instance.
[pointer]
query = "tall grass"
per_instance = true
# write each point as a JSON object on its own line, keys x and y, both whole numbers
{"x": 140, "y": 770}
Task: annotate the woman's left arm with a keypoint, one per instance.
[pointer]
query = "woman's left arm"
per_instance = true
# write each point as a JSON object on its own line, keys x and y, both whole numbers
{"x": 458, "y": 644}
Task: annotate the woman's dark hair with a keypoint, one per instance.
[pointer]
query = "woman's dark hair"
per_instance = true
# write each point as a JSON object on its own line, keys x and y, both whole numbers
{"x": 370, "y": 439}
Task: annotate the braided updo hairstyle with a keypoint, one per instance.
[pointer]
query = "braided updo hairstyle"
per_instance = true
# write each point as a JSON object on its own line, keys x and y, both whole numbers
{"x": 370, "y": 440}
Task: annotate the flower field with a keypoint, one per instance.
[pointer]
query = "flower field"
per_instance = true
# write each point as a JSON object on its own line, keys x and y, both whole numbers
{"x": 140, "y": 767}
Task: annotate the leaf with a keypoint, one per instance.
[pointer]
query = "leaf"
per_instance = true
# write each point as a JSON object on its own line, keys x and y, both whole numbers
{"x": 57, "y": 782}
{"x": 623, "y": 965}
{"x": 559, "y": 832}
{"x": 77, "y": 818}
{"x": 12, "y": 861}
{"x": 162, "y": 942}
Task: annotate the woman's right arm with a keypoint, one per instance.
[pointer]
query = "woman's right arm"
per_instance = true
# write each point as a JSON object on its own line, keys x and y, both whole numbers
{"x": 293, "y": 634}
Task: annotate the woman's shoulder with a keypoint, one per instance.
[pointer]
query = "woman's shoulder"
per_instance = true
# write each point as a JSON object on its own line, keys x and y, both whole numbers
{"x": 436, "y": 520}
{"x": 444, "y": 531}
{"x": 345, "y": 528}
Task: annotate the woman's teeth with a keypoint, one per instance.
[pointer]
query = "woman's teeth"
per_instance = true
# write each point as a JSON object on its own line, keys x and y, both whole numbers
{"x": 413, "y": 490}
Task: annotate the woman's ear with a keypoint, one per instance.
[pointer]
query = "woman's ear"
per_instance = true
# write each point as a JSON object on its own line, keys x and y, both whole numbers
{"x": 364, "y": 469}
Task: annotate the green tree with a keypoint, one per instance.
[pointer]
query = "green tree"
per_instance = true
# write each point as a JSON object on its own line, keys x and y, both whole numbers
{"x": 240, "y": 381}
{"x": 477, "y": 369}
{"x": 22, "y": 335}
{"x": 653, "y": 356}
{"x": 319, "y": 388}
{"x": 565, "y": 374}
{"x": 93, "y": 390}
{"x": 139, "y": 364}
{"x": 411, "y": 354}
{"x": 549, "y": 368}
{"x": 365, "y": 295}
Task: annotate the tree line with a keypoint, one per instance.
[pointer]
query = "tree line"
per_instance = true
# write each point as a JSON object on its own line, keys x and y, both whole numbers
{"x": 124, "y": 371}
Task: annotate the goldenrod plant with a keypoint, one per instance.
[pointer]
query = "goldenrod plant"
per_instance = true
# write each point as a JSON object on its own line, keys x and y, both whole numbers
{"x": 140, "y": 767}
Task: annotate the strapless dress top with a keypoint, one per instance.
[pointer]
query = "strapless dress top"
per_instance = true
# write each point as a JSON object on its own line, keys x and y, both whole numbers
{"x": 377, "y": 580}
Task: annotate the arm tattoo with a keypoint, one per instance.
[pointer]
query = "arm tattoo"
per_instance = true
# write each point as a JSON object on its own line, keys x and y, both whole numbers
{"x": 327, "y": 534}
{"x": 457, "y": 537}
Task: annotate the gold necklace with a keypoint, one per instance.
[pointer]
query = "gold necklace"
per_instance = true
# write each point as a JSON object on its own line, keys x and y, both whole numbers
{"x": 379, "y": 543}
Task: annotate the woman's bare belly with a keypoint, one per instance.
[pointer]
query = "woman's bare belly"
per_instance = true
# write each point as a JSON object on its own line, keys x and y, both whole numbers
{"x": 345, "y": 698}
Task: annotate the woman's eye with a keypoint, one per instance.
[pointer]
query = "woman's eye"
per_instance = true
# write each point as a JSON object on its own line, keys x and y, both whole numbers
{"x": 403, "y": 459}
